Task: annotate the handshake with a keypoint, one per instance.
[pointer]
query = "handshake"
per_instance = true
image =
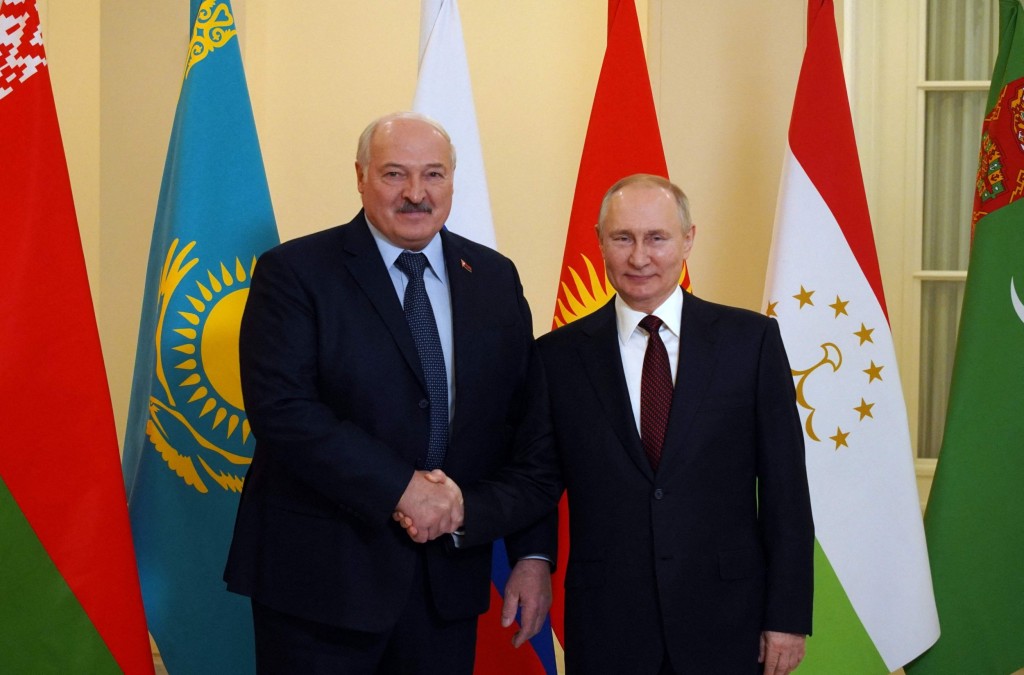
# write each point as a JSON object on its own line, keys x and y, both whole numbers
{"x": 430, "y": 506}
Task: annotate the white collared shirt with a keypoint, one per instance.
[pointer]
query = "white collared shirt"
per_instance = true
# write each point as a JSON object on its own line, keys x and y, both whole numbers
{"x": 633, "y": 342}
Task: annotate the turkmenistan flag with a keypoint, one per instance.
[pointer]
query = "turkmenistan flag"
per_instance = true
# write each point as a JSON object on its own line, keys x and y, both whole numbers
{"x": 873, "y": 605}
{"x": 188, "y": 446}
{"x": 69, "y": 592}
{"x": 975, "y": 517}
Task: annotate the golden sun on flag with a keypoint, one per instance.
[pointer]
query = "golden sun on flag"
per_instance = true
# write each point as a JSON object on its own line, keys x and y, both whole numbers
{"x": 197, "y": 352}
{"x": 587, "y": 297}
{"x": 215, "y": 376}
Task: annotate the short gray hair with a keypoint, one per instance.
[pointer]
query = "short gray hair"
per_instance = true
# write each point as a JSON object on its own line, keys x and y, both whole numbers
{"x": 363, "y": 148}
{"x": 682, "y": 203}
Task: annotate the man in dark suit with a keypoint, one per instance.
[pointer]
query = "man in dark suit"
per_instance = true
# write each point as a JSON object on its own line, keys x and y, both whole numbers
{"x": 680, "y": 447}
{"x": 371, "y": 353}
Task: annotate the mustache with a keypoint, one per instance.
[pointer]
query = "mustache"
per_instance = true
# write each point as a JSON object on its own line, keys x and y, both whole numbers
{"x": 412, "y": 207}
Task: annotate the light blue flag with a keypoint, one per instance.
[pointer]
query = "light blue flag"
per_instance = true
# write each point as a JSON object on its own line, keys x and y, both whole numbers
{"x": 188, "y": 446}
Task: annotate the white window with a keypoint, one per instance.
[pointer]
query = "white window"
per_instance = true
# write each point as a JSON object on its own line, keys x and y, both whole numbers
{"x": 961, "y": 40}
{"x": 918, "y": 74}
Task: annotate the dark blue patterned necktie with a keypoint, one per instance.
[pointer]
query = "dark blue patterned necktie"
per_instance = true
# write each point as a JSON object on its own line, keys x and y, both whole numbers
{"x": 420, "y": 316}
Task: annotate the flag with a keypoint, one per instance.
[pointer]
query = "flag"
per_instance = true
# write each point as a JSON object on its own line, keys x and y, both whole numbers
{"x": 69, "y": 592}
{"x": 873, "y": 605}
{"x": 622, "y": 138}
{"x": 444, "y": 93}
{"x": 975, "y": 516}
{"x": 188, "y": 445}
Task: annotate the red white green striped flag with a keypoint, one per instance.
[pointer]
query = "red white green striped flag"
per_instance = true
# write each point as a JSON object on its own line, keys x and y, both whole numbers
{"x": 69, "y": 590}
{"x": 873, "y": 605}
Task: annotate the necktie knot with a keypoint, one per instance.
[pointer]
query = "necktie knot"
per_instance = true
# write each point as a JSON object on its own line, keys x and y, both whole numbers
{"x": 412, "y": 264}
{"x": 651, "y": 324}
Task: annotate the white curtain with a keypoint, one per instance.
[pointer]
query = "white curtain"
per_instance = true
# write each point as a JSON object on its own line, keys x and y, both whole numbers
{"x": 962, "y": 43}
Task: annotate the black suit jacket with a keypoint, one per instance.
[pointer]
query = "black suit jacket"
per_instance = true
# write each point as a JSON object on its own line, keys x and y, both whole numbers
{"x": 718, "y": 544}
{"x": 336, "y": 399}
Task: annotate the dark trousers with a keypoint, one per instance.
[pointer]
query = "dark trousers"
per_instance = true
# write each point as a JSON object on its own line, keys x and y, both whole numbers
{"x": 421, "y": 643}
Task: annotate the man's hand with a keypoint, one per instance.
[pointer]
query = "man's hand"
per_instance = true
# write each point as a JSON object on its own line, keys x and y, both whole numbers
{"x": 529, "y": 590}
{"x": 781, "y": 653}
{"x": 430, "y": 506}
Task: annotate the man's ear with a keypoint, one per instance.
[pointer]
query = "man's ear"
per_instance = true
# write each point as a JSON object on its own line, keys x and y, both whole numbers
{"x": 688, "y": 240}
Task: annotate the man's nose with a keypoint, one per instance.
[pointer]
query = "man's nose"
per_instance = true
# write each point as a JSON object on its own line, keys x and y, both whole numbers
{"x": 638, "y": 256}
{"x": 414, "y": 190}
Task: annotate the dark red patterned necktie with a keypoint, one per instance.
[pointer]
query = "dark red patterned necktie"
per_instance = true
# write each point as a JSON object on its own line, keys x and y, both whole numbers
{"x": 655, "y": 392}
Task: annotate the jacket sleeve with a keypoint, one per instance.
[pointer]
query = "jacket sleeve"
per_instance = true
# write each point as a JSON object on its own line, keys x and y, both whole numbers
{"x": 784, "y": 508}
{"x": 526, "y": 489}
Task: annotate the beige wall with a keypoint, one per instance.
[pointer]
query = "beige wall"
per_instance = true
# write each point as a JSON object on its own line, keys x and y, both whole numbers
{"x": 723, "y": 74}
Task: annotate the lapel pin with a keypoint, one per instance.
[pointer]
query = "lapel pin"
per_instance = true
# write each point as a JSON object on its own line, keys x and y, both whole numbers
{"x": 465, "y": 265}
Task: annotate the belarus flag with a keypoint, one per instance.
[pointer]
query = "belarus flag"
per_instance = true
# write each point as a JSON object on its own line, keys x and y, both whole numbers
{"x": 69, "y": 589}
{"x": 873, "y": 604}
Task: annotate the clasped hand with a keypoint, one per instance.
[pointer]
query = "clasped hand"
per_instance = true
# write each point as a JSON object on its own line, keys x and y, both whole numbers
{"x": 430, "y": 506}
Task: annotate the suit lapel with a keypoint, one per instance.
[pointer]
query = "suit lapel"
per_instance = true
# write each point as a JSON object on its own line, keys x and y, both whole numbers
{"x": 469, "y": 305}
{"x": 697, "y": 353}
{"x": 362, "y": 258}
{"x": 602, "y": 361}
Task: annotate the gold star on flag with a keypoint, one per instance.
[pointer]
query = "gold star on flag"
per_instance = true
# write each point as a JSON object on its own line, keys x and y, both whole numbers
{"x": 874, "y": 372}
{"x": 839, "y": 306}
{"x": 865, "y": 409}
{"x": 865, "y": 334}
{"x": 771, "y": 309}
{"x": 840, "y": 438}
{"x": 804, "y": 296}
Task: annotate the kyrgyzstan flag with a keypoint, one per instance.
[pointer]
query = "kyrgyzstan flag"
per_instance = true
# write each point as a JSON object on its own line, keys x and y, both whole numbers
{"x": 69, "y": 590}
{"x": 873, "y": 605}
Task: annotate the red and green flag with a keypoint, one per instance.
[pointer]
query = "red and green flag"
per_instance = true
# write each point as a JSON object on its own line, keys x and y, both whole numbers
{"x": 69, "y": 591}
{"x": 975, "y": 516}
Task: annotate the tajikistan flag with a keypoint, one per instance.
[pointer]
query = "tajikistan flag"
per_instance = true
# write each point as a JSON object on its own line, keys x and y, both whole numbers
{"x": 873, "y": 604}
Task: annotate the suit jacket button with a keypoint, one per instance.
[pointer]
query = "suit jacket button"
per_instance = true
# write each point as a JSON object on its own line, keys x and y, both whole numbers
{"x": 424, "y": 402}
{"x": 658, "y": 494}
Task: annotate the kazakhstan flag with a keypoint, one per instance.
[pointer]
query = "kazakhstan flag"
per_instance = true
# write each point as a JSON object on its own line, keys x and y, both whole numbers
{"x": 187, "y": 446}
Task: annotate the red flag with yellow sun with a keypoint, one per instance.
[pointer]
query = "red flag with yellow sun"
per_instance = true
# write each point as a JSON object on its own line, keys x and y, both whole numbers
{"x": 623, "y": 138}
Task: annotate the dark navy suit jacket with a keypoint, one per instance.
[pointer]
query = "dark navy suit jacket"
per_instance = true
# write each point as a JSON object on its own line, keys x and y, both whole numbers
{"x": 715, "y": 546}
{"x": 336, "y": 399}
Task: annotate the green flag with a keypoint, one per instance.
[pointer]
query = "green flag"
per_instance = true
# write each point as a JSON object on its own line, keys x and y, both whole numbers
{"x": 975, "y": 517}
